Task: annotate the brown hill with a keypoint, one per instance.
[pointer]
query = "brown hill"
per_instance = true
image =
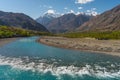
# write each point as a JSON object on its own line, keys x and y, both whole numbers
{"x": 107, "y": 21}
{"x": 67, "y": 22}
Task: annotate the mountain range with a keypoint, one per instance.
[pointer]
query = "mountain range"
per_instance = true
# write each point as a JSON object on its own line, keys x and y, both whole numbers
{"x": 20, "y": 20}
{"x": 107, "y": 21}
{"x": 47, "y": 18}
{"x": 67, "y": 23}
{"x": 64, "y": 23}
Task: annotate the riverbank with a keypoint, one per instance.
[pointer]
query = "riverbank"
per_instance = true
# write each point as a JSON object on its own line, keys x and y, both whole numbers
{"x": 111, "y": 47}
{"x": 6, "y": 41}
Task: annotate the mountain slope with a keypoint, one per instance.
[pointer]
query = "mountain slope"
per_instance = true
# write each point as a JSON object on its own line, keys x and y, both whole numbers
{"x": 20, "y": 20}
{"x": 46, "y": 18}
{"x": 108, "y": 21}
{"x": 67, "y": 22}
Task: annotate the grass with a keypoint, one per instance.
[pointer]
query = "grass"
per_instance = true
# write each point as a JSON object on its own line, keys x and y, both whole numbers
{"x": 97, "y": 35}
{"x": 7, "y": 32}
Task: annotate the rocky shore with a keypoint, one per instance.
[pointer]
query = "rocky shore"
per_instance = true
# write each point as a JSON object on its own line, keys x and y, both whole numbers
{"x": 6, "y": 41}
{"x": 111, "y": 47}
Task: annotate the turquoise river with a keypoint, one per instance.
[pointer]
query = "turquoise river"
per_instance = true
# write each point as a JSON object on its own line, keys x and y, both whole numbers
{"x": 26, "y": 59}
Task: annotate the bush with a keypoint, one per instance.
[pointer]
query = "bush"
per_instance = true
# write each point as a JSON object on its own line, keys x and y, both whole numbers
{"x": 6, "y": 32}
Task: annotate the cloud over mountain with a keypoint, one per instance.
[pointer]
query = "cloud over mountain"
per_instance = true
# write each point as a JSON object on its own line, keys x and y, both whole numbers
{"x": 50, "y": 11}
{"x": 83, "y": 1}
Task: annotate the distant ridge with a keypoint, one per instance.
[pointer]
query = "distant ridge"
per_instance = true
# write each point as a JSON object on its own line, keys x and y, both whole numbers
{"x": 20, "y": 20}
{"x": 67, "y": 22}
{"x": 107, "y": 21}
{"x": 47, "y": 18}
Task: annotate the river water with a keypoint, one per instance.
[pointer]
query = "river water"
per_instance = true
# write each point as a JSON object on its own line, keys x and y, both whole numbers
{"x": 25, "y": 59}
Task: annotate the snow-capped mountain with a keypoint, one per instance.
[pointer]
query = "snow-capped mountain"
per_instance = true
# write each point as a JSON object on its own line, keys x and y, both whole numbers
{"x": 47, "y": 17}
{"x": 67, "y": 22}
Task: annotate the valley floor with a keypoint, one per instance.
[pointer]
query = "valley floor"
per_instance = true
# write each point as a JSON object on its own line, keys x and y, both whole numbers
{"x": 111, "y": 47}
{"x": 6, "y": 41}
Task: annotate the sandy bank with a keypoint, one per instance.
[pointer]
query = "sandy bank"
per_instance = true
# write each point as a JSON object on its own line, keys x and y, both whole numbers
{"x": 111, "y": 47}
{"x": 6, "y": 41}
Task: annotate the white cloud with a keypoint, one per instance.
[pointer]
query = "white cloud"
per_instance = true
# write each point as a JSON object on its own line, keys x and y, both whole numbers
{"x": 80, "y": 7}
{"x": 50, "y": 7}
{"x": 92, "y": 12}
{"x": 71, "y": 11}
{"x": 88, "y": 11}
{"x": 51, "y": 11}
{"x": 93, "y": 8}
{"x": 79, "y": 13}
{"x": 65, "y": 8}
{"x": 83, "y": 1}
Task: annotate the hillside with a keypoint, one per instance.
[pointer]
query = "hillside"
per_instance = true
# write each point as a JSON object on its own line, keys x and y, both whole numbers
{"x": 20, "y": 20}
{"x": 8, "y": 32}
{"x": 47, "y": 18}
{"x": 67, "y": 23}
{"x": 107, "y": 21}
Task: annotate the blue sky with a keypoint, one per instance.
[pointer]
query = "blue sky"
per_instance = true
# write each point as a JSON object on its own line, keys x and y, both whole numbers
{"x": 36, "y": 8}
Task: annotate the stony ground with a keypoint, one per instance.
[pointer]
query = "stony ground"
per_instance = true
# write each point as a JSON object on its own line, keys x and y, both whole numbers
{"x": 84, "y": 44}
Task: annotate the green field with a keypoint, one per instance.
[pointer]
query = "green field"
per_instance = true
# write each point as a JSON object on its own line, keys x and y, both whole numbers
{"x": 97, "y": 35}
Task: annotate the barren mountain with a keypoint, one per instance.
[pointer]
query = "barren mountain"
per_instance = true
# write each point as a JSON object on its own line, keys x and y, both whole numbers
{"x": 107, "y": 21}
{"x": 67, "y": 22}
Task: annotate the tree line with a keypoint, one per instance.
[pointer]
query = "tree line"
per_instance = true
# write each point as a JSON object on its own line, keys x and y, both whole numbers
{"x": 8, "y": 32}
